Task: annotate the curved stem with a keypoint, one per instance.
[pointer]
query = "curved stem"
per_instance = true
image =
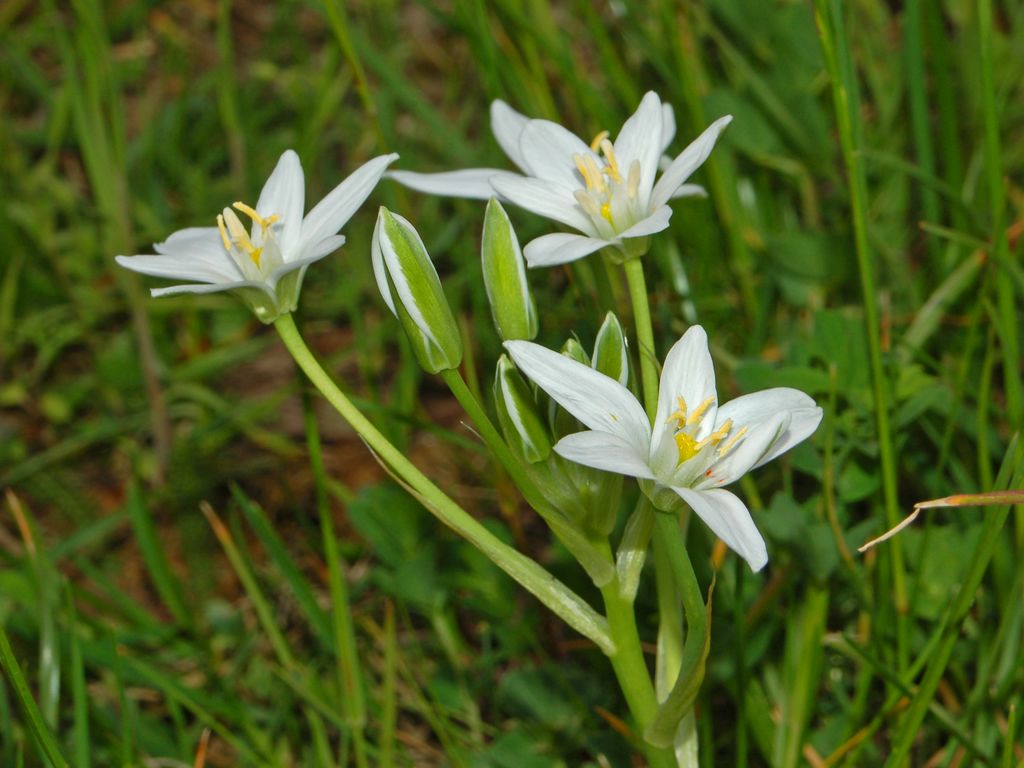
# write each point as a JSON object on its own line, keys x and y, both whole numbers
{"x": 569, "y": 606}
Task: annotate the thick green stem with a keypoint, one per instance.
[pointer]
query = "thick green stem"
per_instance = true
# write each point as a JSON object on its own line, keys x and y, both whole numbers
{"x": 644, "y": 334}
{"x": 631, "y": 671}
{"x": 569, "y": 606}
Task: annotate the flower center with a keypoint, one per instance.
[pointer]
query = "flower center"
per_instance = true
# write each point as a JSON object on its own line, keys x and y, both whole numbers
{"x": 237, "y": 241}
{"x": 607, "y": 195}
{"x": 688, "y": 425}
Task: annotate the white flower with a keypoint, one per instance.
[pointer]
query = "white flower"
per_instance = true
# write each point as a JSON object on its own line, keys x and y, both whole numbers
{"x": 695, "y": 446}
{"x": 604, "y": 190}
{"x": 264, "y": 265}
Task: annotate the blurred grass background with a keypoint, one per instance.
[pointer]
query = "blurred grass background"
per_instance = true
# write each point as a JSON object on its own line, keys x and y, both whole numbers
{"x": 861, "y": 241}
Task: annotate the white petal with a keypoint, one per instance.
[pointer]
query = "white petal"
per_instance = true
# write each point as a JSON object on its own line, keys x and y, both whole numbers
{"x": 333, "y": 212}
{"x": 379, "y": 272}
{"x": 668, "y": 126}
{"x": 178, "y": 267}
{"x": 470, "y": 183}
{"x": 560, "y": 248}
{"x": 205, "y": 238}
{"x": 640, "y": 139}
{"x": 748, "y": 451}
{"x": 602, "y": 450}
{"x": 547, "y": 149}
{"x": 218, "y": 288}
{"x": 690, "y": 190}
{"x": 284, "y": 194}
{"x": 656, "y": 222}
{"x": 688, "y": 161}
{"x": 690, "y": 374}
{"x": 750, "y": 410}
{"x": 729, "y": 519}
{"x": 545, "y": 199}
{"x": 506, "y": 125}
{"x": 200, "y": 244}
{"x": 325, "y": 247}
{"x": 600, "y": 402}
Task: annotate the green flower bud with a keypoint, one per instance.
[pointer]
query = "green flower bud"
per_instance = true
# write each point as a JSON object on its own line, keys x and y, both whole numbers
{"x": 575, "y": 351}
{"x": 412, "y": 290}
{"x": 512, "y": 305}
{"x": 611, "y": 356}
{"x": 520, "y": 422}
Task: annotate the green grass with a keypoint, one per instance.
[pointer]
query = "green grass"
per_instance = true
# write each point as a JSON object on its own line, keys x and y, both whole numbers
{"x": 861, "y": 241}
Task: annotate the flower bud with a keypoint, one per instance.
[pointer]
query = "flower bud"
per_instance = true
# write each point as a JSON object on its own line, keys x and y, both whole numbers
{"x": 610, "y": 352}
{"x": 575, "y": 351}
{"x": 512, "y": 305}
{"x": 520, "y": 422}
{"x": 412, "y": 290}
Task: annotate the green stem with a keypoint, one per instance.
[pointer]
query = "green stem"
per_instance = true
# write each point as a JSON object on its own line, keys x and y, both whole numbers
{"x": 644, "y": 334}
{"x": 631, "y": 671}
{"x": 569, "y": 606}
{"x": 838, "y": 58}
{"x": 598, "y": 566}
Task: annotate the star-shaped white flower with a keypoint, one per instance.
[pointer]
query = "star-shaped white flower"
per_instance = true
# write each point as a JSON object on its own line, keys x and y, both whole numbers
{"x": 695, "y": 446}
{"x": 606, "y": 191}
{"x": 263, "y": 265}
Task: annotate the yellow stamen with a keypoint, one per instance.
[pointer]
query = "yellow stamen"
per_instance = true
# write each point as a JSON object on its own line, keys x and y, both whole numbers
{"x": 265, "y": 222}
{"x": 587, "y": 202}
{"x": 633, "y": 179}
{"x": 595, "y": 179}
{"x": 598, "y": 139}
{"x": 731, "y": 443}
{"x": 680, "y": 414}
{"x": 717, "y": 436}
{"x": 223, "y": 233}
{"x": 239, "y": 237}
{"x": 612, "y": 169}
{"x": 606, "y": 212}
{"x": 699, "y": 412}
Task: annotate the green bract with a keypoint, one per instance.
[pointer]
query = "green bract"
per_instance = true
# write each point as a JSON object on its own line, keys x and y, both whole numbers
{"x": 412, "y": 290}
{"x": 512, "y": 306}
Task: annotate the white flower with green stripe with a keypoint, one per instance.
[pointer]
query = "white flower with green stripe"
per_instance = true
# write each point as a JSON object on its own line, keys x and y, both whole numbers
{"x": 265, "y": 262}
{"x": 609, "y": 192}
{"x": 694, "y": 447}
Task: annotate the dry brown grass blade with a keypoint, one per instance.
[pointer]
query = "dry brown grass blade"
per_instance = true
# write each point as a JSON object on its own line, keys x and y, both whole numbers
{"x": 987, "y": 498}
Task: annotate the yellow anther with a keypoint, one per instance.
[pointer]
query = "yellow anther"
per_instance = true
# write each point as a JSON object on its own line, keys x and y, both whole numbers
{"x": 223, "y": 233}
{"x": 595, "y": 178}
{"x": 717, "y": 436}
{"x": 699, "y": 411}
{"x": 731, "y": 443}
{"x": 680, "y": 414}
{"x": 265, "y": 222}
{"x": 598, "y": 139}
{"x": 612, "y": 168}
{"x": 233, "y": 233}
{"x": 606, "y": 213}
